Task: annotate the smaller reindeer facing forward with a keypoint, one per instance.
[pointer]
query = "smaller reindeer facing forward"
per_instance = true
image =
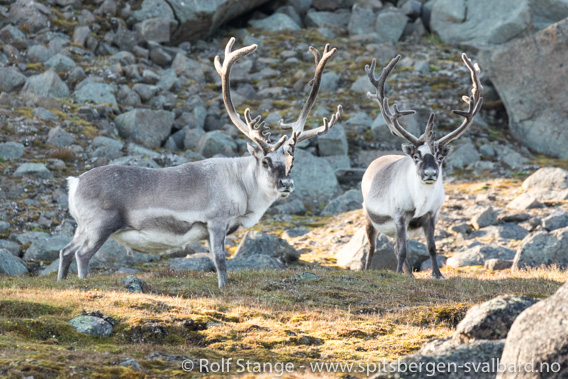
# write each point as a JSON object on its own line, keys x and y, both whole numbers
{"x": 404, "y": 193}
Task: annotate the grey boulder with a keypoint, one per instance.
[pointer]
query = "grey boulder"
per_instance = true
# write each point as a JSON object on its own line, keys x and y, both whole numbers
{"x": 11, "y": 265}
{"x": 543, "y": 249}
{"x": 492, "y": 319}
{"x": 539, "y": 336}
{"x": 145, "y": 126}
{"x": 255, "y": 244}
{"x": 92, "y": 325}
{"x": 542, "y": 131}
{"x": 48, "y": 84}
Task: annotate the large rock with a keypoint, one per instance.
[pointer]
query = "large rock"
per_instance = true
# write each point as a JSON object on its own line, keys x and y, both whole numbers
{"x": 59, "y": 63}
{"x": 477, "y": 255}
{"x": 145, "y": 126}
{"x": 539, "y": 338}
{"x": 256, "y": 243}
{"x": 48, "y": 84}
{"x": 30, "y": 15}
{"x": 59, "y": 137}
{"x": 555, "y": 220}
{"x": 275, "y": 23}
{"x": 353, "y": 255}
{"x": 463, "y": 156}
{"x": 36, "y": 170}
{"x": 457, "y": 360}
{"x": 89, "y": 90}
{"x": 390, "y": 24}
{"x": 194, "y": 262}
{"x": 46, "y": 249}
{"x": 194, "y": 19}
{"x": 260, "y": 262}
{"x": 362, "y": 21}
{"x": 216, "y": 142}
{"x": 327, "y": 19}
{"x": 535, "y": 101}
{"x": 11, "y": 79}
{"x": 547, "y": 178}
{"x": 11, "y": 150}
{"x": 314, "y": 179}
{"x": 11, "y": 265}
{"x": 491, "y": 320}
{"x": 490, "y": 22}
{"x": 543, "y": 248}
{"x": 333, "y": 142}
{"x": 349, "y": 201}
{"x": 507, "y": 231}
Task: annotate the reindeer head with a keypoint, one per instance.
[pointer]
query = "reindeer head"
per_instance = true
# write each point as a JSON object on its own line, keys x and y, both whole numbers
{"x": 427, "y": 153}
{"x": 274, "y": 160}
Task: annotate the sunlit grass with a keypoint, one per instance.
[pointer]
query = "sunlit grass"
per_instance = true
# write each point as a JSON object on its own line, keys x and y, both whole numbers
{"x": 266, "y": 316}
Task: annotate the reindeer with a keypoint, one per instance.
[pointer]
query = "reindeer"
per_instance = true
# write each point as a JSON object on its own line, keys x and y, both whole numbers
{"x": 403, "y": 193}
{"x": 154, "y": 210}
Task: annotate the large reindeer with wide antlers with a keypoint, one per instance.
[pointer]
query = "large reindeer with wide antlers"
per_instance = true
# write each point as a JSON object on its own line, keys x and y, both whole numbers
{"x": 403, "y": 193}
{"x": 153, "y": 210}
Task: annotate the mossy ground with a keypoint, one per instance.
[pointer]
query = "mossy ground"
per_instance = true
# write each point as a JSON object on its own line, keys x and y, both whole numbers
{"x": 262, "y": 316}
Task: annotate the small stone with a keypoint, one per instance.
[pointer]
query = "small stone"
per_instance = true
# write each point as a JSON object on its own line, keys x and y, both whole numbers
{"x": 296, "y": 232}
{"x": 495, "y": 264}
{"x": 130, "y": 362}
{"x": 134, "y": 284}
{"x": 91, "y": 325}
{"x": 307, "y": 276}
{"x": 482, "y": 217}
{"x": 59, "y": 137}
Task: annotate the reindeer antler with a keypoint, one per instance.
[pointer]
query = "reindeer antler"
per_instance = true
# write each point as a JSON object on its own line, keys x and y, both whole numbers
{"x": 298, "y": 125}
{"x": 254, "y": 129}
{"x": 475, "y": 101}
{"x": 391, "y": 118}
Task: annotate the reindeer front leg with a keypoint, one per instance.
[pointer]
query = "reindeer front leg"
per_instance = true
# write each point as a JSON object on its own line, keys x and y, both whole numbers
{"x": 401, "y": 246}
{"x": 429, "y": 233}
{"x": 217, "y": 234}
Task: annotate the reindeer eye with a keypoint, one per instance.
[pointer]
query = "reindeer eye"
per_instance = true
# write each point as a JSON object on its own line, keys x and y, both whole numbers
{"x": 265, "y": 163}
{"x": 417, "y": 157}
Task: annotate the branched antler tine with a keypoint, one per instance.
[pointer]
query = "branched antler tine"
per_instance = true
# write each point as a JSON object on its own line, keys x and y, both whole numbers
{"x": 321, "y": 130}
{"x": 316, "y": 54}
{"x": 299, "y": 124}
{"x": 391, "y": 118}
{"x": 475, "y": 101}
{"x": 258, "y": 134}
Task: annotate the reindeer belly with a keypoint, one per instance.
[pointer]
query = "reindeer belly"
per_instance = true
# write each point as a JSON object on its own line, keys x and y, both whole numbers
{"x": 385, "y": 225}
{"x": 161, "y": 237}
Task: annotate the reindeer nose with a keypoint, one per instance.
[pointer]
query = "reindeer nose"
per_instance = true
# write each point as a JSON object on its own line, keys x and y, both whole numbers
{"x": 430, "y": 174}
{"x": 286, "y": 184}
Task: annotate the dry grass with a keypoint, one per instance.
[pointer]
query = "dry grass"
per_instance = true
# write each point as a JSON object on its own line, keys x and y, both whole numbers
{"x": 266, "y": 316}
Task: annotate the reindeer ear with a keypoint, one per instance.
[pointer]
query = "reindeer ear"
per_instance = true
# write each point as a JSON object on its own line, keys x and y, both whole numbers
{"x": 409, "y": 149}
{"x": 255, "y": 151}
{"x": 444, "y": 152}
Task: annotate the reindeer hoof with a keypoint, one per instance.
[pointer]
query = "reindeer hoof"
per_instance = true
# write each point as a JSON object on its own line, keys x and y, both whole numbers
{"x": 439, "y": 277}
